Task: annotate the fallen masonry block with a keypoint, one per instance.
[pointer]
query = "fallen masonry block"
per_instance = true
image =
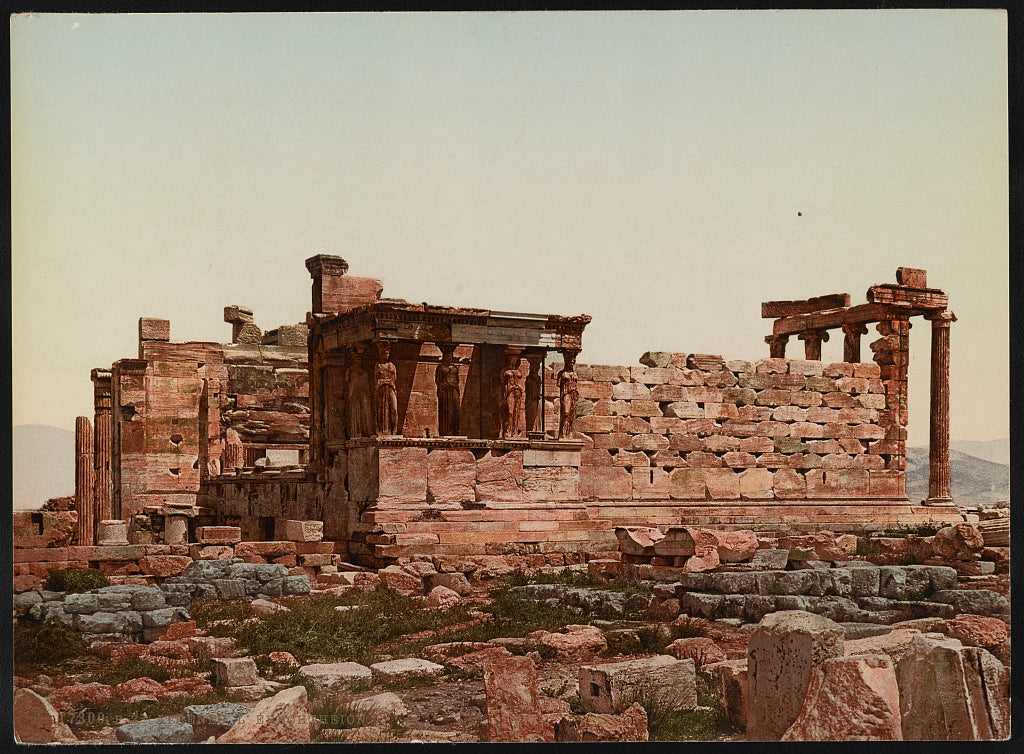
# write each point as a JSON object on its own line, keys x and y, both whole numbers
{"x": 336, "y": 674}
{"x": 513, "y": 711}
{"x": 702, "y": 650}
{"x": 631, "y": 725}
{"x": 235, "y": 671}
{"x": 730, "y": 679}
{"x": 400, "y": 670}
{"x": 282, "y": 718}
{"x": 850, "y": 699}
{"x": 219, "y": 535}
{"x": 949, "y": 692}
{"x": 611, "y": 686}
{"x": 894, "y": 644}
{"x": 213, "y": 719}
{"x": 159, "y": 730}
{"x": 782, "y": 653}
{"x": 209, "y": 647}
{"x": 37, "y": 722}
{"x": 973, "y": 601}
{"x": 300, "y": 531}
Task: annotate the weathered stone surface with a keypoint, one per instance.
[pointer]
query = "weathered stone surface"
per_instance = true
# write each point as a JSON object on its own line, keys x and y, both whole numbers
{"x": 736, "y": 546}
{"x": 301, "y": 531}
{"x": 702, "y": 650}
{"x": 235, "y": 671}
{"x": 973, "y": 601}
{"x": 37, "y": 722}
{"x": 850, "y": 699}
{"x": 112, "y": 532}
{"x": 959, "y": 542}
{"x": 610, "y": 686}
{"x": 976, "y": 631}
{"x": 139, "y": 687}
{"x": 401, "y": 581}
{"x": 164, "y": 565}
{"x": 894, "y": 644}
{"x": 336, "y": 674}
{"x": 66, "y": 698}
{"x": 207, "y": 647}
{"x": 730, "y": 679}
{"x": 381, "y": 707}
{"x": 577, "y": 643}
{"x": 638, "y": 540}
{"x": 442, "y": 598}
{"x": 159, "y": 730}
{"x": 770, "y": 559}
{"x": 949, "y": 692}
{"x": 410, "y": 667}
{"x": 513, "y": 714}
{"x": 457, "y": 582}
{"x": 631, "y": 725}
{"x": 213, "y": 719}
{"x": 282, "y": 718}
{"x": 219, "y": 535}
{"x": 782, "y": 654}
{"x": 451, "y": 475}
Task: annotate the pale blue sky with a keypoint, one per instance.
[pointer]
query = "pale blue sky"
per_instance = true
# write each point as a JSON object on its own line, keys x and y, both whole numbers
{"x": 644, "y": 168}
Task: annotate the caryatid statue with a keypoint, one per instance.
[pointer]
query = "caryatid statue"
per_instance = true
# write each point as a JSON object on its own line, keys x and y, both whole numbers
{"x": 568, "y": 395}
{"x": 387, "y": 394}
{"x": 446, "y": 377}
{"x": 512, "y": 394}
{"x": 358, "y": 406}
{"x": 534, "y": 385}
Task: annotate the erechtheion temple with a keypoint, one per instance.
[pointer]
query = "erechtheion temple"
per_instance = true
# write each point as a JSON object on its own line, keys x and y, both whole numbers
{"x": 413, "y": 429}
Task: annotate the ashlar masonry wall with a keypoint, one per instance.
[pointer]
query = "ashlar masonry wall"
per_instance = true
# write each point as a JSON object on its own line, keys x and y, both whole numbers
{"x": 703, "y": 428}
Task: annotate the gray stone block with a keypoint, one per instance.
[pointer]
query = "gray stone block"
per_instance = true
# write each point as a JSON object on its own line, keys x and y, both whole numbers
{"x": 229, "y": 588}
{"x": 863, "y": 630}
{"x": 213, "y": 719}
{"x": 270, "y": 571}
{"x": 271, "y": 588}
{"x": 206, "y": 570}
{"x": 133, "y": 621}
{"x": 159, "y": 730}
{"x": 114, "y": 601}
{"x": 864, "y": 581}
{"x": 295, "y": 585}
{"x": 81, "y": 603}
{"x": 702, "y": 605}
{"x": 770, "y": 559}
{"x": 974, "y": 601}
{"x": 730, "y": 583}
{"x": 756, "y": 606}
{"x": 793, "y": 602}
{"x": 102, "y": 623}
{"x": 252, "y": 587}
{"x": 242, "y": 571}
{"x": 840, "y": 582}
{"x": 151, "y": 599}
{"x": 154, "y": 618}
{"x": 25, "y": 600}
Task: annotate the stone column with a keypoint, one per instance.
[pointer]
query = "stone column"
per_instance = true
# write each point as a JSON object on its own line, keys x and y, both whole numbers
{"x": 938, "y": 441}
{"x": 84, "y": 479}
{"x": 535, "y": 396}
{"x": 851, "y": 341}
{"x": 101, "y": 446}
{"x": 776, "y": 345}
{"x": 812, "y": 343}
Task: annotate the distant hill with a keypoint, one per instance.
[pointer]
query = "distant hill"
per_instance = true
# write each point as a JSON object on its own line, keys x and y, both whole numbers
{"x": 974, "y": 481}
{"x": 997, "y": 451}
{"x": 43, "y": 464}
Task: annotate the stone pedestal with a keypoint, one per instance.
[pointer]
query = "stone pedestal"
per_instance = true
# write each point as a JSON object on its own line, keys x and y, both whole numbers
{"x": 113, "y": 532}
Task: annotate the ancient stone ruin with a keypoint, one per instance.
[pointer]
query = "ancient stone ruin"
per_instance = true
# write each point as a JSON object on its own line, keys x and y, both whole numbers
{"x": 429, "y": 450}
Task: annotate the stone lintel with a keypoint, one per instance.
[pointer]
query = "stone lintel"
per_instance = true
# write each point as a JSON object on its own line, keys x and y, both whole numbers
{"x": 771, "y": 309}
{"x": 326, "y": 264}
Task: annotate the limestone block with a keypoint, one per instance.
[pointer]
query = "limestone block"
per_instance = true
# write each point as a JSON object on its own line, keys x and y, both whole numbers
{"x": 219, "y": 535}
{"x": 213, "y": 719}
{"x": 37, "y": 722}
{"x": 782, "y": 654}
{"x": 607, "y": 483}
{"x": 756, "y": 484}
{"x": 336, "y": 674}
{"x": 959, "y": 542}
{"x": 513, "y": 713}
{"x": 208, "y": 647}
{"x": 702, "y": 650}
{"x": 398, "y": 670}
{"x": 499, "y": 477}
{"x": 159, "y": 730}
{"x": 282, "y": 718}
{"x": 970, "y": 630}
{"x": 949, "y": 692}
{"x": 631, "y": 725}
{"x": 451, "y": 475}
{"x": 113, "y": 532}
{"x": 235, "y": 671}
{"x": 730, "y": 679}
{"x": 850, "y": 699}
{"x": 300, "y": 531}
{"x": 771, "y": 560}
{"x": 894, "y": 644}
{"x": 973, "y": 601}
{"x": 610, "y": 686}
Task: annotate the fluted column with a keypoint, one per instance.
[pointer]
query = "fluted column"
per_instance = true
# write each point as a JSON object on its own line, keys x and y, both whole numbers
{"x": 938, "y": 441}
{"x": 101, "y": 447}
{"x": 84, "y": 479}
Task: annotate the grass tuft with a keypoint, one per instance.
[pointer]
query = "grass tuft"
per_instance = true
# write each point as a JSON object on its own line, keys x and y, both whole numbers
{"x": 667, "y": 720}
{"x": 74, "y": 580}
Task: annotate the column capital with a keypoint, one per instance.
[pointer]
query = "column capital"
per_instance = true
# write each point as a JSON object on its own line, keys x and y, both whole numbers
{"x": 820, "y": 335}
{"x": 942, "y": 318}
{"x": 855, "y": 328}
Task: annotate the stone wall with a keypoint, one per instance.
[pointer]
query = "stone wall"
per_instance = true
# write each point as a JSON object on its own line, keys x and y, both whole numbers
{"x": 703, "y": 428}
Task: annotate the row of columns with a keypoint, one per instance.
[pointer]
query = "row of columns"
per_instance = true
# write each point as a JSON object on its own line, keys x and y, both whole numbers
{"x": 938, "y": 445}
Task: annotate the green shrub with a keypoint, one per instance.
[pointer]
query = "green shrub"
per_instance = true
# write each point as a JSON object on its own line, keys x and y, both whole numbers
{"x": 48, "y": 643}
{"x": 653, "y": 639}
{"x": 74, "y": 580}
